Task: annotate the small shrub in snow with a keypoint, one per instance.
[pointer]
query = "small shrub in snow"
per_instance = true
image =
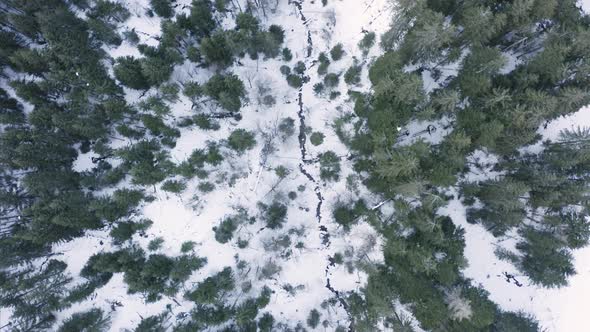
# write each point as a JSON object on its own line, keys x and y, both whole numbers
{"x": 318, "y": 88}
{"x": 274, "y": 215}
{"x": 155, "y": 244}
{"x": 329, "y": 166}
{"x": 123, "y": 231}
{"x": 331, "y": 80}
{"x": 269, "y": 270}
{"x": 225, "y": 230}
{"x": 337, "y": 52}
{"x": 281, "y": 171}
{"x": 241, "y": 140}
{"x": 227, "y": 90}
{"x": 324, "y": 63}
{"x": 287, "y": 55}
{"x": 294, "y": 81}
{"x": 285, "y": 70}
{"x": 299, "y": 68}
{"x": 174, "y": 186}
{"x": 287, "y": 128}
{"x": 269, "y": 100}
{"x": 344, "y": 215}
{"x": 131, "y": 37}
{"x": 313, "y": 319}
{"x": 213, "y": 288}
{"x": 206, "y": 187}
{"x": 353, "y": 74}
{"x": 187, "y": 246}
{"x": 317, "y": 138}
{"x": 367, "y": 42}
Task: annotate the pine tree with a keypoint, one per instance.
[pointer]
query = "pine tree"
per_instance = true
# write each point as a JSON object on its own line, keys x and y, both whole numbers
{"x": 92, "y": 320}
{"x": 129, "y": 72}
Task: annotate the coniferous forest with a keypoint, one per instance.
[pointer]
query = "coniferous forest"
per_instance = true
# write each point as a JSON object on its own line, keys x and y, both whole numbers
{"x": 292, "y": 165}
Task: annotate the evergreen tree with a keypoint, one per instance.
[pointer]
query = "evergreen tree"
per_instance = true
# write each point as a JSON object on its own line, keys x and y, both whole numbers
{"x": 92, "y": 320}
{"x": 162, "y": 8}
{"x": 227, "y": 90}
{"x": 241, "y": 140}
{"x": 129, "y": 72}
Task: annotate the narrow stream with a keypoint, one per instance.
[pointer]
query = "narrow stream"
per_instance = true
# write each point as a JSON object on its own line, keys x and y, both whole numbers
{"x": 325, "y": 235}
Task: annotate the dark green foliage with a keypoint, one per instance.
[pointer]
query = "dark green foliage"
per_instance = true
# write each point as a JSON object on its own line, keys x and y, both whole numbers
{"x": 318, "y": 88}
{"x": 367, "y": 42}
{"x": 187, "y": 246}
{"x": 346, "y": 216}
{"x": 201, "y": 22}
{"x": 299, "y": 68}
{"x": 241, "y": 140}
{"x": 287, "y": 55}
{"x": 34, "y": 293}
{"x": 156, "y": 323}
{"x": 93, "y": 320}
{"x": 206, "y": 187}
{"x": 216, "y": 50}
{"x": 294, "y": 81}
{"x": 313, "y": 319}
{"x": 287, "y": 128}
{"x": 213, "y": 288}
{"x": 11, "y": 112}
{"x": 285, "y": 70}
{"x": 158, "y": 64}
{"x": 155, "y": 244}
{"x": 503, "y": 208}
{"x": 317, "y": 138}
{"x": 162, "y": 8}
{"x": 156, "y": 275}
{"x": 227, "y": 90}
{"x": 128, "y": 71}
{"x": 329, "y": 166}
{"x": 224, "y": 232}
{"x": 147, "y": 164}
{"x": 193, "y": 91}
{"x": 274, "y": 215}
{"x": 331, "y": 80}
{"x": 353, "y": 74}
{"x": 174, "y": 186}
{"x": 266, "y": 322}
{"x": 324, "y": 64}
{"x": 131, "y": 37}
{"x": 514, "y": 322}
{"x": 124, "y": 230}
{"x": 545, "y": 260}
{"x": 337, "y": 52}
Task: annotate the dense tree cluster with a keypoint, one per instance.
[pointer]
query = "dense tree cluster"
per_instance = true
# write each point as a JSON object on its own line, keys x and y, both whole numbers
{"x": 59, "y": 102}
{"x": 519, "y": 64}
